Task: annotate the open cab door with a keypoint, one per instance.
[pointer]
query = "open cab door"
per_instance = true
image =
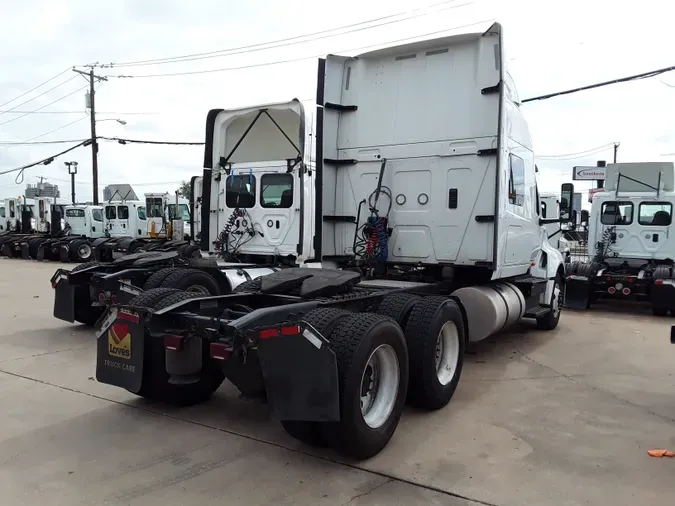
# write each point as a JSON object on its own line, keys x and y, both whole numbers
{"x": 253, "y": 190}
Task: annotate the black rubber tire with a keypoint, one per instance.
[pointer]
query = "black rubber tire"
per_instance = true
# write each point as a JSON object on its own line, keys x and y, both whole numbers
{"x": 155, "y": 384}
{"x": 173, "y": 298}
{"x": 571, "y": 269}
{"x": 156, "y": 278}
{"x": 398, "y": 306}
{"x": 324, "y": 320}
{"x": 73, "y": 252}
{"x": 85, "y": 266}
{"x": 424, "y": 325}
{"x": 192, "y": 280}
{"x": 662, "y": 272}
{"x": 660, "y": 311}
{"x": 149, "y": 298}
{"x": 550, "y": 321}
{"x": 190, "y": 251}
{"x": 251, "y": 286}
{"x": 33, "y": 247}
{"x": 353, "y": 341}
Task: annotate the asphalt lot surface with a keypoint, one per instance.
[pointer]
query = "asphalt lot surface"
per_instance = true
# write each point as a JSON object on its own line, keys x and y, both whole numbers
{"x": 560, "y": 418}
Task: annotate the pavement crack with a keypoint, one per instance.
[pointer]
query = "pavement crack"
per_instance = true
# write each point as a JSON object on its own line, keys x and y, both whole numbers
{"x": 43, "y": 354}
{"x": 557, "y": 373}
{"x": 388, "y": 477}
{"x": 372, "y": 489}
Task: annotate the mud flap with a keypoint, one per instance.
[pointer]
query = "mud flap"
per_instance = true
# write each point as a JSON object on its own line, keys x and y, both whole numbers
{"x": 7, "y": 249}
{"x": 577, "y": 292}
{"x": 120, "y": 349}
{"x": 301, "y": 379}
{"x": 64, "y": 253}
{"x": 64, "y": 298}
{"x": 25, "y": 251}
{"x": 41, "y": 253}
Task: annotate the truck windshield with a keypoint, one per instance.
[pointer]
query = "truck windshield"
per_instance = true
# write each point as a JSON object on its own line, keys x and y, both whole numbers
{"x": 183, "y": 212}
{"x": 75, "y": 213}
{"x": 154, "y": 207}
{"x": 141, "y": 213}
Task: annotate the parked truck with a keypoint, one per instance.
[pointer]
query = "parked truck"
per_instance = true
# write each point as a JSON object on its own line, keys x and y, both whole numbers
{"x": 30, "y": 220}
{"x": 631, "y": 255}
{"x": 423, "y": 233}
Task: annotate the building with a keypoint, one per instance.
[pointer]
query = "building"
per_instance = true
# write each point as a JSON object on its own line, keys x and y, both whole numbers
{"x": 119, "y": 192}
{"x": 42, "y": 190}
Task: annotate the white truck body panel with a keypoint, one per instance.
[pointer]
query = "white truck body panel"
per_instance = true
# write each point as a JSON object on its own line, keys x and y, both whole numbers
{"x": 629, "y": 206}
{"x": 85, "y": 220}
{"x": 125, "y": 219}
{"x": 435, "y": 111}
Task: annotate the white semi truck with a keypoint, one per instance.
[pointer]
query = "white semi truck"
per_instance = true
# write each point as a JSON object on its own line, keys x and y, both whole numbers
{"x": 419, "y": 231}
{"x": 630, "y": 251}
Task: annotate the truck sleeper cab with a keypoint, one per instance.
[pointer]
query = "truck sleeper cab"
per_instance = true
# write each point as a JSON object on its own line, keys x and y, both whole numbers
{"x": 426, "y": 234}
{"x": 630, "y": 250}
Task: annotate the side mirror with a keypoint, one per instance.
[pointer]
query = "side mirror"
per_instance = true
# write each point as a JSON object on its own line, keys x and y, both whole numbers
{"x": 566, "y": 201}
{"x": 584, "y": 218}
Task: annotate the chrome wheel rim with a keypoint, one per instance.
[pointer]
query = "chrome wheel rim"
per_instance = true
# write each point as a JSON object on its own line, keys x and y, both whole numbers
{"x": 556, "y": 303}
{"x": 447, "y": 353}
{"x": 379, "y": 386}
{"x": 198, "y": 289}
{"x": 84, "y": 251}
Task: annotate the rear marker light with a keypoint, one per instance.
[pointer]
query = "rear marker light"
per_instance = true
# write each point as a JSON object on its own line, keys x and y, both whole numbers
{"x": 658, "y": 282}
{"x": 174, "y": 343}
{"x": 609, "y": 278}
{"x": 626, "y": 291}
{"x": 267, "y": 333}
{"x": 611, "y": 290}
{"x": 293, "y": 330}
{"x": 220, "y": 351}
{"x": 101, "y": 297}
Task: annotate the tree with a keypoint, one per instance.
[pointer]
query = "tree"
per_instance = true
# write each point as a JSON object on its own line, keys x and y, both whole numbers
{"x": 184, "y": 190}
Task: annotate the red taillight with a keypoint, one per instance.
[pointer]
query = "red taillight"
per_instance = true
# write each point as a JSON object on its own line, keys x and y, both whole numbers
{"x": 292, "y": 330}
{"x": 101, "y": 297}
{"x": 113, "y": 299}
{"x": 609, "y": 278}
{"x": 220, "y": 351}
{"x": 658, "y": 282}
{"x": 626, "y": 291}
{"x": 611, "y": 290}
{"x": 53, "y": 284}
{"x": 174, "y": 343}
{"x": 630, "y": 280}
{"x": 267, "y": 333}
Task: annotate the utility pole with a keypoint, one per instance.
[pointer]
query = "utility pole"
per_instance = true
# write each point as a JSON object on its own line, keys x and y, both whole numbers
{"x": 616, "y": 149}
{"x": 91, "y": 77}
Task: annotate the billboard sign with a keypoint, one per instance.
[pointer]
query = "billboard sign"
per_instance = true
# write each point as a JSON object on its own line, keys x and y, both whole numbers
{"x": 588, "y": 173}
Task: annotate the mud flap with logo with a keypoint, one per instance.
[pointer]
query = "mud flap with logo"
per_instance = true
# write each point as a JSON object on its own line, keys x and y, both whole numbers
{"x": 300, "y": 373}
{"x": 577, "y": 292}
{"x": 64, "y": 297}
{"x": 119, "y": 349}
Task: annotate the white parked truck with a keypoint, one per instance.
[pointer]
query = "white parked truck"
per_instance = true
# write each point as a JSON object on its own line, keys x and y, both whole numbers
{"x": 550, "y": 210}
{"x": 631, "y": 254}
{"x": 419, "y": 231}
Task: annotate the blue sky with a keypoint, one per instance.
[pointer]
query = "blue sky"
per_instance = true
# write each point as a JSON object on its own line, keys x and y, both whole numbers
{"x": 549, "y": 46}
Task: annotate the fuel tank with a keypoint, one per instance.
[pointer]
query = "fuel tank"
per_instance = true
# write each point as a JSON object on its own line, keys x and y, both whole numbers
{"x": 490, "y": 308}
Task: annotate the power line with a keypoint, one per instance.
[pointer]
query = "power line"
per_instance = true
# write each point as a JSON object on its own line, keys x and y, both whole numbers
{"x": 78, "y": 112}
{"x": 578, "y": 154}
{"x": 46, "y": 105}
{"x": 635, "y": 77}
{"x": 138, "y": 141}
{"x": 262, "y": 46}
{"x": 47, "y": 133}
{"x": 33, "y": 89}
{"x": 278, "y": 62}
{"x": 44, "y": 161}
{"x": 38, "y": 96}
{"x": 30, "y": 143}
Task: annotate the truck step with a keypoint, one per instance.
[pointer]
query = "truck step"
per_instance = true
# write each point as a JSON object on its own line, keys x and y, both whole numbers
{"x": 536, "y": 312}
{"x": 529, "y": 280}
